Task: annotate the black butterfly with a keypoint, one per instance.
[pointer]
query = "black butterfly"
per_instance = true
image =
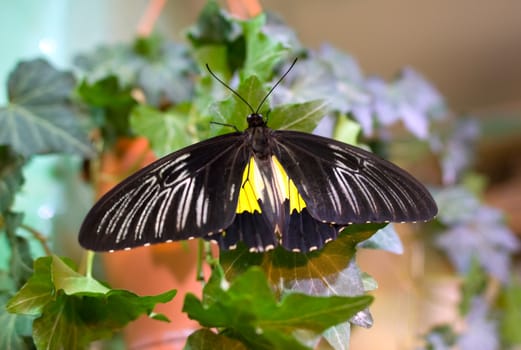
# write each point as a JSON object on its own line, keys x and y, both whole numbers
{"x": 261, "y": 186}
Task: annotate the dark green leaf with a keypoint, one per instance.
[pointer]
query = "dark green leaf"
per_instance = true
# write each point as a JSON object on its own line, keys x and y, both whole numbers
{"x": 75, "y": 310}
{"x": 11, "y": 177}
{"x": 39, "y": 117}
{"x": 162, "y": 70}
{"x": 328, "y": 272}
{"x": 267, "y": 324}
{"x": 204, "y": 339}
{"x": 149, "y": 47}
{"x": 166, "y": 131}
{"x": 20, "y": 260}
{"x": 213, "y": 27}
{"x": 16, "y": 329}
{"x": 112, "y": 102}
{"x": 115, "y": 60}
{"x": 168, "y": 80}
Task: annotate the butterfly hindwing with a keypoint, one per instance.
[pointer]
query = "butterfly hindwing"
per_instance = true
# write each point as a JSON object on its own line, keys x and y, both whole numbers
{"x": 342, "y": 184}
{"x": 189, "y": 193}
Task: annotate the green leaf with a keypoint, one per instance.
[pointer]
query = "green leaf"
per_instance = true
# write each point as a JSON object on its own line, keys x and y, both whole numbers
{"x": 331, "y": 271}
{"x": 267, "y": 324}
{"x": 511, "y": 308}
{"x": 161, "y": 69}
{"x": 167, "y": 78}
{"x": 71, "y": 282}
{"x": 204, "y": 339}
{"x": 20, "y": 255}
{"x": 36, "y": 293}
{"x": 474, "y": 284}
{"x": 75, "y": 310}
{"x": 217, "y": 39}
{"x": 300, "y": 116}
{"x": 16, "y": 329}
{"x": 39, "y": 117}
{"x": 11, "y": 177}
{"x": 262, "y": 51}
{"x": 328, "y": 271}
{"x": 71, "y": 322}
{"x": 233, "y": 111}
{"x": 347, "y": 130}
{"x": 111, "y": 105}
{"x": 166, "y": 131}
{"x": 213, "y": 27}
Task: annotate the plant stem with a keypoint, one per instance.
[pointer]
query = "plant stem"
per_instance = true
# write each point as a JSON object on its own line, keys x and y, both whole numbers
{"x": 200, "y": 252}
{"x": 89, "y": 261}
{"x": 39, "y": 237}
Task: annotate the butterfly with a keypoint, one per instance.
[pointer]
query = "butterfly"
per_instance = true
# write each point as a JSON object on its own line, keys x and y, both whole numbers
{"x": 261, "y": 186}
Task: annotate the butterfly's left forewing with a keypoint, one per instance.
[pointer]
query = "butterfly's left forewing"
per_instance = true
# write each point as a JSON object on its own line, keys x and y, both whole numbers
{"x": 189, "y": 193}
{"x": 342, "y": 184}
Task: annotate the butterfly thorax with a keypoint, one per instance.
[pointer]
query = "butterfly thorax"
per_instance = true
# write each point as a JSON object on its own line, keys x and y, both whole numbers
{"x": 258, "y": 134}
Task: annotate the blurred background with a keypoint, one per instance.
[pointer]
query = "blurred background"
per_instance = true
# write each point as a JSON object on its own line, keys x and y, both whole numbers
{"x": 469, "y": 49}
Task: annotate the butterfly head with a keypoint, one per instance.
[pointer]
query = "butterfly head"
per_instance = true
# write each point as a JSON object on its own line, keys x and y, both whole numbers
{"x": 256, "y": 119}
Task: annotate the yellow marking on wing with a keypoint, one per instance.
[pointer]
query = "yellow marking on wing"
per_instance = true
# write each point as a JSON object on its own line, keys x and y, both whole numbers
{"x": 249, "y": 194}
{"x": 296, "y": 202}
{"x": 252, "y": 186}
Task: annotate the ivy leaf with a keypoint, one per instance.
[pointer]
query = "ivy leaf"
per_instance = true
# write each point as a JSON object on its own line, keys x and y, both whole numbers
{"x": 214, "y": 36}
{"x": 299, "y": 116}
{"x": 331, "y": 271}
{"x": 213, "y": 27}
{"x": 11, "y": 177}
{"x": 162, "y": 70}
{"x": 40, "y": 117}
{"x": 111, "y": 105}
{"x": 511, "y": 300}
{"x": 20, "y": 255}
{"x": 262, "y": 51}
{"x": 165, "y": 76}
{"x": 74, "y": 310}
{"x": 474, "y": 283}
{"x": 267, "y": 324}
{"x": 233, "y": 111}
{"x": 386, "y": 239}
{"x": 204, "y": 339}
{"x": 347, "y": 130}
{"x": 16, "y": 329}
{"x": 166, "y": 131}
{"x": 36, "y": 293}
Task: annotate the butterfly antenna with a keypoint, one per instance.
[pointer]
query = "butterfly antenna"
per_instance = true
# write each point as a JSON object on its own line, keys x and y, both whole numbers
{"x": 276, "y": 84}
{"x": 229, "y": 88}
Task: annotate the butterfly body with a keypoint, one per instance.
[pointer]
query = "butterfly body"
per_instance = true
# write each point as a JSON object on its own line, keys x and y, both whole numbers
{"x": 261, "y": 186}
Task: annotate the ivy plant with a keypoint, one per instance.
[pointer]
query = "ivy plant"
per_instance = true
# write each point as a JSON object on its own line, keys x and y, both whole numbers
{"x": 161, "y": 90}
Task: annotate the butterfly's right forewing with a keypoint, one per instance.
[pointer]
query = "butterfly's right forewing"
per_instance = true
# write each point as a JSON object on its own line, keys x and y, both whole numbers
{"x": 343, "y": 184}
{"x": 189, "y": 193}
